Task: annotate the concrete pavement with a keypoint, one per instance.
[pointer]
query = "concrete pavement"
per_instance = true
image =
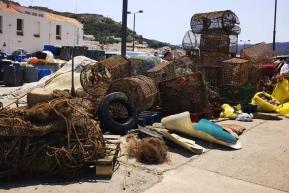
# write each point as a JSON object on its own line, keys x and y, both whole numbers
{"x": 188, "y": 179}
{"x": 261, "y": 166}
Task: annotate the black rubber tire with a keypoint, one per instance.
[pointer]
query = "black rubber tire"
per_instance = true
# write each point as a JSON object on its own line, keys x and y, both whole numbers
{"x": 106, "y": 120}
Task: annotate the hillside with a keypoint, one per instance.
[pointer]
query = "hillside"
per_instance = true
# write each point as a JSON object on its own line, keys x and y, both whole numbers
{"x": 281, "y": 47}
{"x": 104, "y": 29}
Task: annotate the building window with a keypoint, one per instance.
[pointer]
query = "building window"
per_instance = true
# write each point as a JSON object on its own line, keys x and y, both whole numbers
{"x": 36, "y": 29}
{"x": 20, "y": 27}
{"x": 1, "y": 24}
{"x": 58, "y": 32}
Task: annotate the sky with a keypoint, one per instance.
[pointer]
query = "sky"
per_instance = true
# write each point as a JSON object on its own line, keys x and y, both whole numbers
{"x": 169, "y": 20}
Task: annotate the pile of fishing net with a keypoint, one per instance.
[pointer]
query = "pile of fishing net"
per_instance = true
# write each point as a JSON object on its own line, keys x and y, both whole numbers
{"x": 53, "y": 139}
{"x": 149, "y": 150}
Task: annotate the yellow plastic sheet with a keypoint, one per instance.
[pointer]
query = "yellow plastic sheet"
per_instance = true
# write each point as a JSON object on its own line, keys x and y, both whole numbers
{"x": 284, "y": 109}
{"x": 281, "y": 91}
{"x": 264, "y": 105}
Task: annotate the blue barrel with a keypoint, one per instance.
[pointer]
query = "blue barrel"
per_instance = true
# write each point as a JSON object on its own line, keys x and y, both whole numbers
{"x": 43, "y": 72}
{"x": 21, "y": 58}
{"x": 50, "y": 48}
{"x": 148, "y": 118}
{"x": 52, "y": 66}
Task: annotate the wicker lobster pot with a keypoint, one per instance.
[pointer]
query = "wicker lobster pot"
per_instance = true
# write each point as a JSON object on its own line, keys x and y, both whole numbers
{"x": 187, "y": 93}
{"x": 255, "y": 74}
{"x": 235, "y": 72}
{"x": 96, "y": 78}
{"x": 213, "y": 58}
{"x": 213, "y": 42}
{"x": 118, "y": 66}
{"x": 140, "y": 89}
{"x": 163, "y": 71}
{"x": 212, "y": 74}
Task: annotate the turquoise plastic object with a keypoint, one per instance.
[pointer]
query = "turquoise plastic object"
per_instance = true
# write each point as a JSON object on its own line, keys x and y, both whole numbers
{"x": 215, "y": 130}
{"x": 43, "y": 72}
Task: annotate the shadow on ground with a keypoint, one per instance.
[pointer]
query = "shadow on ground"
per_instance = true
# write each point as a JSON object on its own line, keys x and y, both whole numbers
{"x": 87, "y": 176}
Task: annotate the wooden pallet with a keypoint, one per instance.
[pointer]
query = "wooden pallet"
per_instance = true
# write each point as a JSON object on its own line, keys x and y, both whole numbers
{"x": 105, "y": 167}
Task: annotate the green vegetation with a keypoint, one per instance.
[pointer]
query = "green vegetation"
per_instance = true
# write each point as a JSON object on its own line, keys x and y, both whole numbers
{"x": 107, "y": 31}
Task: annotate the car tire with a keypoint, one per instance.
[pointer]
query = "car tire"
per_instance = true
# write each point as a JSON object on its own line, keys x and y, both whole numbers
{"x": 108, "y": 123}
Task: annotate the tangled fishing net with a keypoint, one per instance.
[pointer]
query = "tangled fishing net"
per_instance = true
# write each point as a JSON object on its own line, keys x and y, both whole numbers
{"x": 148, "y": 150}
{"x": 53, "y": 139}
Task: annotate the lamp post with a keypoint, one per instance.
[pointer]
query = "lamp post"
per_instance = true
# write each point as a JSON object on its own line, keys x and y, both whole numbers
{"x": 274, "y": 32}
{"x": 124, "y": 28}
{"x": 72, "y": 53}
{"x": 245, "y": 41}
{"x": 133, "y": 35}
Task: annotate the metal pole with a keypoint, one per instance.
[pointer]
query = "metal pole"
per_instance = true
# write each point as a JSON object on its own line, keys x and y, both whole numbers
{"x": 274, "y": 32}
{"x": 72, "y": 73}
{"x": 124, "y": 28}
{"x": 133, "y": 36}
{"x": 237, "y": 46}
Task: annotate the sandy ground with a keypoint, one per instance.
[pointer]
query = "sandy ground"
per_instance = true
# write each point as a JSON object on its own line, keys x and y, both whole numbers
{"x": 262, "y": 165}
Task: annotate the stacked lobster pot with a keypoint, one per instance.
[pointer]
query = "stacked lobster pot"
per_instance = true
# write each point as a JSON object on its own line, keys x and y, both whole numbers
{"x": 96, "y": 78}
{"x": 215, "y": 36}
{"x": 218, "y": 32}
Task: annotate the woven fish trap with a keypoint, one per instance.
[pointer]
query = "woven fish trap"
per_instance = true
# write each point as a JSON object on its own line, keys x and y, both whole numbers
{"x": 141, "y": 90}
{"x": 187, "y": 93}
{"x": 95, "y": 78}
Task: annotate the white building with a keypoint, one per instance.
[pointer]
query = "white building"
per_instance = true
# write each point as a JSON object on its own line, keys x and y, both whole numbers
{"x": 31, "y": 29}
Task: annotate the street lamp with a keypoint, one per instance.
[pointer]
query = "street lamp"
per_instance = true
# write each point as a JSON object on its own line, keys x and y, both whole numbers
{"x": 274, "y": 32}
{"x": 245, "y": 41}
{"x": 124, "y": 27}
{"x": 133, "y": 35}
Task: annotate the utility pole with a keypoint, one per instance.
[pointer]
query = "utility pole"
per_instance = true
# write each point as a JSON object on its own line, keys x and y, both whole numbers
{"x": 72, "y": 73}
{"x": 73, "y": 92}
{"x": 245, "y": 41}
{"x": 124, "y": 28}
{"x": 274, "y": 32}
{"x": 133, "y": 35}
